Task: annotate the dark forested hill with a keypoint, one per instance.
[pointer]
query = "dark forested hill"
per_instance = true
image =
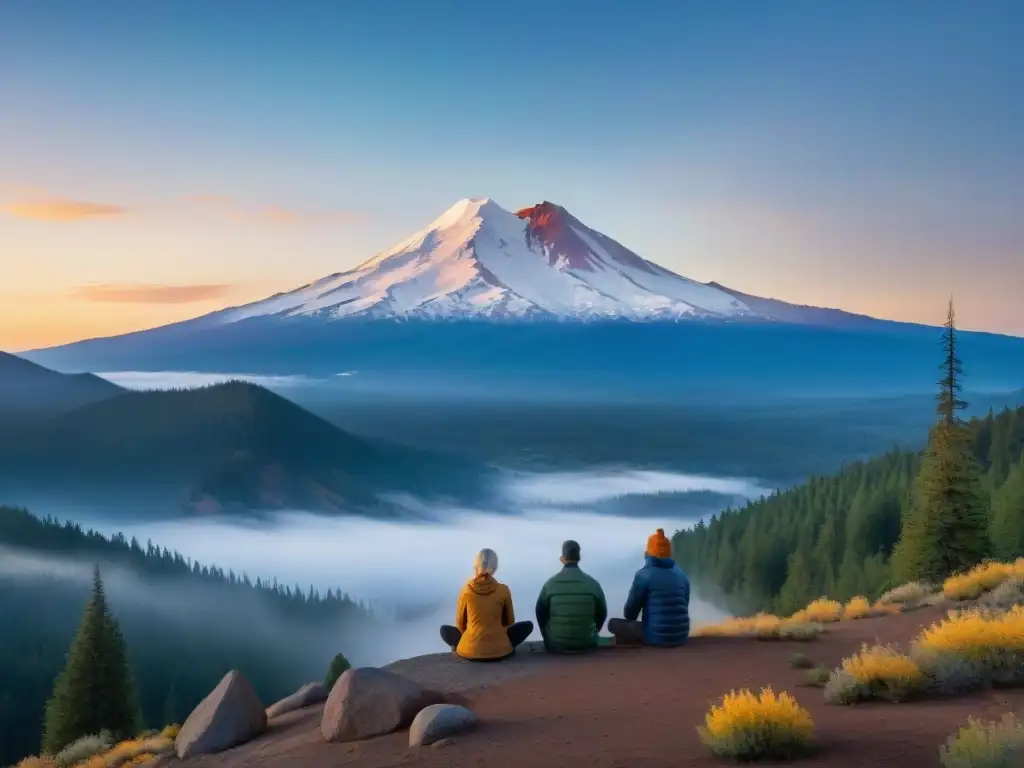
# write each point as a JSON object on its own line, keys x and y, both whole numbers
{"x": 185, "y": 624}
{"x": 229, "y": 446}
{"x": 834, "y": 535}
{"x": 28, "y": 390}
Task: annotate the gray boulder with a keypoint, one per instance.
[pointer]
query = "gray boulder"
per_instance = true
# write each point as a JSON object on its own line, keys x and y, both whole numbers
{"x": 369, "y": 702}
{"x": 439, "y": 721}
{"x": 306, "y": 696}
{"x": 230, "y": 715}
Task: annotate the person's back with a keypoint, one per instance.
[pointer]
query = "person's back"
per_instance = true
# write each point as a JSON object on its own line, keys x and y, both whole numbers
{"x": 571, "y": 607}
{"x": 661, "y": 592}
{"x": 485, "y": 625}
{"x": 484, "y": 610}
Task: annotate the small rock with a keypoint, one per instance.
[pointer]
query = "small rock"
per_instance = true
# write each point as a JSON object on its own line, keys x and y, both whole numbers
{"x": 369, "y": 702}
{"x": 306, "y": 696}
{"x": 439, "y": 721}
{"x": 230, "y": 715}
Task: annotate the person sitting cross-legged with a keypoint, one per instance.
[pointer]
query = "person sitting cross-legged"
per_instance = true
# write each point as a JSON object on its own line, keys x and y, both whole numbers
{"x": 571, "y": 608}
{"x": 661, "y": 592}
{"x": 485, "y": 624}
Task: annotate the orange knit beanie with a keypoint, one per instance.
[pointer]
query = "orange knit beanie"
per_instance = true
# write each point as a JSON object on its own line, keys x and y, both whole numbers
{"x": 658, "y": 545}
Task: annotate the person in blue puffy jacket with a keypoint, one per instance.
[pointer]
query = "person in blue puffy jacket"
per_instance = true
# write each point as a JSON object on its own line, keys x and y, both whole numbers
{"x": 661, "y": 592}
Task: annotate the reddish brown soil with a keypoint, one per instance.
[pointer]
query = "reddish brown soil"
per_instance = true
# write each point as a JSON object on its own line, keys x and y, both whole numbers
{"x": 639, "y": 707}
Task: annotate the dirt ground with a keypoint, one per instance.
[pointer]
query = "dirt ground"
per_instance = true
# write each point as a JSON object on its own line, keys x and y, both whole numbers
{"x": 626, "y": 708}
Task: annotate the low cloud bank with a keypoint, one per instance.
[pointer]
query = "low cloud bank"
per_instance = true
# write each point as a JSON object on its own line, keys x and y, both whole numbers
{"x": 194, "y": 379}
{"x": 581, "y": 488}
{"x": 419, "y": 568}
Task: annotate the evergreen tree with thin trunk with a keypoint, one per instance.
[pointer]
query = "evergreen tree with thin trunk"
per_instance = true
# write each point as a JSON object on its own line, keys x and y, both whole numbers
{"x": 945, "y": 528}
{"x": 95, "y": 691}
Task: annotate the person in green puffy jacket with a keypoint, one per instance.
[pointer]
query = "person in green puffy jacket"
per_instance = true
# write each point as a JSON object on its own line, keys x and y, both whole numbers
{"x": 571, "y": 608}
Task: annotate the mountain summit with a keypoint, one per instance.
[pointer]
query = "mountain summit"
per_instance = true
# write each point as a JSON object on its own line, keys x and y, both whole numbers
{"x": 479, "y": 260}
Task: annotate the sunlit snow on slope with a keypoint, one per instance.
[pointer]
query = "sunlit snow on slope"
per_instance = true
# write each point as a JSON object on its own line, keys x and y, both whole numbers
{"x": 479, "y": 260}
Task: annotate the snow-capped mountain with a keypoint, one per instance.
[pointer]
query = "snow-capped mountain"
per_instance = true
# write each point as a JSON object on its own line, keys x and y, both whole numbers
{"x": 480, "y": 260}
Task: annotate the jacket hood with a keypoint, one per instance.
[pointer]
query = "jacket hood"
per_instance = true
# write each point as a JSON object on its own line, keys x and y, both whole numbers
{"x": 660, "y": 562}
{"x": 482, "y": 585}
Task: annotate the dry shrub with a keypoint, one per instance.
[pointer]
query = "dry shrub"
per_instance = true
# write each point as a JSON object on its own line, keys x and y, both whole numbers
{"x": 1004, "y": 597}
{"x": 768, "y": 726}
{"x": 985, "y": 745}
{"x": 44, "y": 761}
{"x": 857, "y": 608}
{"x": 84, "y": 747}
{"x": 130, "y": 753}
{"x": 800, "y": 661}
{"x": 875, "y": 672}
{"x": 171, "y": 731}
{"x": 982, "y": 578}
{"x": 911, "y": 593}
{"x": 801, "y": 631}
{"x": 818, "y": 676}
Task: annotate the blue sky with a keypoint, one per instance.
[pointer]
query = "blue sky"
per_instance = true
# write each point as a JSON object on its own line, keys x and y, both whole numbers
{"x": 868, "y": 155}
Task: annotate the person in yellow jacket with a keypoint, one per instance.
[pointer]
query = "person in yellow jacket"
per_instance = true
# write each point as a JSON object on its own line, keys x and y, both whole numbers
{"x": 485, "y": 624}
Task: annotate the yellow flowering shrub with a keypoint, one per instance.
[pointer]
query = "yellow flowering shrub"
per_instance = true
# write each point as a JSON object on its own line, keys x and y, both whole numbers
{"x": 171, "y": 731}
{"x": 875, "y": 672}
{"x": 973, "y": 648}
{"x": 982, "y": 578}
{"x": 744, "y": 726}
{"x": 886, "y": 609}
{"x": 857, "y": 608}
{"x": 821, "y": 610}
{"x": 762, "y": 626}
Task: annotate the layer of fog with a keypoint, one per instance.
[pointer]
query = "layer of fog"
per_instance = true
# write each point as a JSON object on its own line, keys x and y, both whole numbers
{"x": 234, "y": 616}
{"x": 591, "y": 487}
{"x": 411, "y": 572}
{"x": 418, "y": 569}
{"x": 150, "y": 380}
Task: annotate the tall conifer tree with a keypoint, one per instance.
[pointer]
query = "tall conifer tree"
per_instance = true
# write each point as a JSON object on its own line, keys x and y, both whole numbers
{"x": 95, "y": 691}
{"x": 945, "y": 528}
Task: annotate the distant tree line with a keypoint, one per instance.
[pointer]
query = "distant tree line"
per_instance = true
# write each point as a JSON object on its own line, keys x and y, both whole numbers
{"x": 185, "y": 625}
{"x": 878, "y": 523}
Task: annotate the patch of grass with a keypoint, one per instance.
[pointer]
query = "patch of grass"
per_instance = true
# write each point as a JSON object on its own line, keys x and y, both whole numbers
{"x": 982, "y": 578}
{"x": 818, "y": 676}
{"x": 985, "y": 745}
{"x": 767, "y": 726}
{"x": 875, "y": 672}
{"x": 857, "y": 608}
{"x": 83, "y": 748}
{"x": 800, "y": 661}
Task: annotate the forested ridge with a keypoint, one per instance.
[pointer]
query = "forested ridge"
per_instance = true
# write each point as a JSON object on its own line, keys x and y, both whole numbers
{"x": 835, "y": 534}
{"x": 185, "y": 624}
